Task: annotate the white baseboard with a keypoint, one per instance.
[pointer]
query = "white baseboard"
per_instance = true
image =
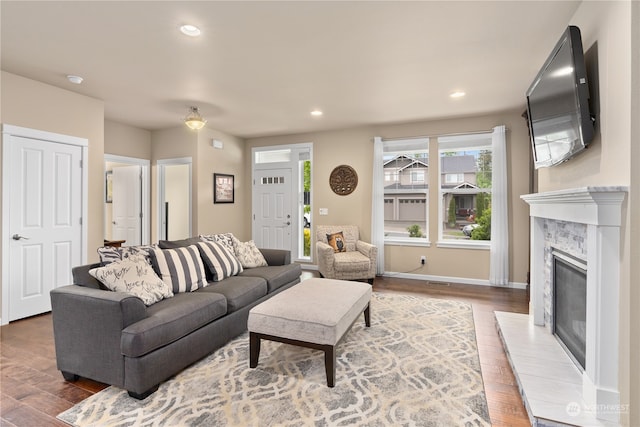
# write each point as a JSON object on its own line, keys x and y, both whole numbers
{"x": 311, "y": 267}
{"x": 448, "y": 279}
{"x": 431, "y": 278}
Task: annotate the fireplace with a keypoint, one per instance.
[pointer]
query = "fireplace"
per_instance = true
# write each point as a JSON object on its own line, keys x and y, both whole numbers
{"x": 587, "y": 225}
{"x": 569, "y": 323}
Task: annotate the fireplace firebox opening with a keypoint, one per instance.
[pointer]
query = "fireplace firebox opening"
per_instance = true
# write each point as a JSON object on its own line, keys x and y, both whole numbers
{"x": 570, "y": 305}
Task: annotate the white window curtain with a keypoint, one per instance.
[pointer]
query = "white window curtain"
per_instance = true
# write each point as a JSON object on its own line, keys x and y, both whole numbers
{"x": 499, "y": 263}
{"x": 377, "y": 203}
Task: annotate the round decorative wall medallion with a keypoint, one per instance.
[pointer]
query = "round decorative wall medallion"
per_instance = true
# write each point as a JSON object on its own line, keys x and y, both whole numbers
{"x": 343, "y": 180}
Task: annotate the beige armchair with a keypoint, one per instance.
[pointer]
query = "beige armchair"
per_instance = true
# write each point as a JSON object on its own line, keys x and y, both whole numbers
{"x": 357, "y": 262}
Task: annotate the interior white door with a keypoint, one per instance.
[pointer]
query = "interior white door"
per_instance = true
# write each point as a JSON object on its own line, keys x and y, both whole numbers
{"x": 127, "y": 205}
{"x": 45, "y": 217}
{"x": 272, "y": 208}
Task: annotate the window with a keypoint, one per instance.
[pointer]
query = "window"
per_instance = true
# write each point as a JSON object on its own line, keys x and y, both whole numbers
{"x": 465, "y": 188}
{"x": 406, "y": 167}
{"x": 453, "y": 178}
{"x": 417, "y": 177}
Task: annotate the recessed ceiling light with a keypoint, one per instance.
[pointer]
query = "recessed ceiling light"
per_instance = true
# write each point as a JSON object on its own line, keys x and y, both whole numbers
{"x": 316, "y": 113}
{"x": 457, "y": 94}
{"x": 190, "y": 30}
{"x": 76, "y": 80}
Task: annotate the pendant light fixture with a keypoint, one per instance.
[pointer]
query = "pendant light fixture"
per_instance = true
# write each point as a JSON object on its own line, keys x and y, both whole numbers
{"x": 194, "y": 120}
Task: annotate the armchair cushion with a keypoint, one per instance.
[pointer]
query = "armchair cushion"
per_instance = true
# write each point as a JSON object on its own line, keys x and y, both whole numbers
{"x": 351, "y": 262}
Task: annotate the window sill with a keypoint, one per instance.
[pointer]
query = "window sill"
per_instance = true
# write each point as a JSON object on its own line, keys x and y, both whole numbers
{"x": 466, "y": 244}
{"x": 409, "y": 242}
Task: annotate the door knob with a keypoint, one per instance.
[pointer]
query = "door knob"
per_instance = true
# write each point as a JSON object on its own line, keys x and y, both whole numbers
{"x": 18, "y": 237}
{"x": 288, "y": 223}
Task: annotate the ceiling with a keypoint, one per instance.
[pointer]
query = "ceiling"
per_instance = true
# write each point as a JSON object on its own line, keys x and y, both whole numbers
{"x": 260, "y": 68}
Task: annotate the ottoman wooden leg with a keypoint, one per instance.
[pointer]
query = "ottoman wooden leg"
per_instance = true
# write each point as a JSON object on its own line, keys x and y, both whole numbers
{"x": 254, "y": 349}
{"x": 330, "y": 364}
{"x": 367, "y": 315}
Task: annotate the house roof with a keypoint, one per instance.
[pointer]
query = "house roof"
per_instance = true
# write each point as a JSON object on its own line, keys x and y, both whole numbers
{"x": 402, "y": 161}
{"x": 458, "y": 164}
{"x": 259, "y": 68}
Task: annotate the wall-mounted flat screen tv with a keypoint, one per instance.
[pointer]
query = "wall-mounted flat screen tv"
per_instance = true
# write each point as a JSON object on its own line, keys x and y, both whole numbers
{"x": 560, "y": 122}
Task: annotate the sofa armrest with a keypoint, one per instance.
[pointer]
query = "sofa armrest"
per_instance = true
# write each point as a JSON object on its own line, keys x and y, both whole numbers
{"x": 87, "y": 329}
{"x": 277, "y": 256}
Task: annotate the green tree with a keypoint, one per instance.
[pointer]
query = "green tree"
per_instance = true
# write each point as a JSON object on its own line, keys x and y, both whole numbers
{"x": 480, "y": 204}
{"x": 306, "y": 181}
{"x": 484, "y": 169}
{"x": 452, "y": 213}
{"x": 307, "y": 175}
{"x": 483, "y": 232}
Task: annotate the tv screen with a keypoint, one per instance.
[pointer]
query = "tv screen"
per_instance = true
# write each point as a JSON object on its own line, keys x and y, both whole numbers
{"x": 560, "y": 122}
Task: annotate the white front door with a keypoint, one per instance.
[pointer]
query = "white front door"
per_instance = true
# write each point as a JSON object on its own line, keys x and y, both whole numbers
{"x": 127, "y": 205}
{"x": 272, "y": 208}
{"x": 45, "y": 215}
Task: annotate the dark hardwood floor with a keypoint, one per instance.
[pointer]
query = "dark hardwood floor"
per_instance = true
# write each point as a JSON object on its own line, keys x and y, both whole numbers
{"x": 33, "y": 392}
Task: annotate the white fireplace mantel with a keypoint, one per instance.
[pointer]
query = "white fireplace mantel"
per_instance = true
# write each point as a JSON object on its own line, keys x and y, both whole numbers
{"x": 600, "y": 208}
{"x": 586, "y": 205}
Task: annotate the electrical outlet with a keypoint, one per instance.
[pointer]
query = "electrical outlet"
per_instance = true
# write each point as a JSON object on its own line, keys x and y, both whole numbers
{"x": 423, "y": 260}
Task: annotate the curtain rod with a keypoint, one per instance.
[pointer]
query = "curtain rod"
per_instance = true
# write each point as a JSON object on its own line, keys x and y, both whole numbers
{"x": 478, "y": 132}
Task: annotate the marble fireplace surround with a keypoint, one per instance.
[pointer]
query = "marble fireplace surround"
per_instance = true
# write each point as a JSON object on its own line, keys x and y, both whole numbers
{"x": 600, "y": 208}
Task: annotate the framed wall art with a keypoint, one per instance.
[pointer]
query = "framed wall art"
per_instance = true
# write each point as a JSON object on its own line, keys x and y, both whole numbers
{"x": 223, "y": 189}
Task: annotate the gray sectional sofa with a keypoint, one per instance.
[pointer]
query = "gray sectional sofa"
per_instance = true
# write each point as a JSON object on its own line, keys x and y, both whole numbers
{"x": 112, "y": 337}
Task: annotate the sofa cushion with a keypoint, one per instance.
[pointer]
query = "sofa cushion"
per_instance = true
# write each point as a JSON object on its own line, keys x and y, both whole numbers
{"x": 109, "y": 254}
{"x": 239, "y": 291}
{"x": 133, "y": 277}
{"x": 275, "y": 275}
{"x": 172, "y": 244}
{"x": 180, "y": 268}
{"x": 351, "y": 261}
{"x": 170, "y": 320}
{"x": 248, "y": 254}
{"x": 221, "y": 261}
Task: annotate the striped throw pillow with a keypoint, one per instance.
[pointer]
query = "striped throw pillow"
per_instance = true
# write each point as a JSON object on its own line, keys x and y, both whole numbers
{"x": 220, "y": 260}
{"x": 180, "y": 268}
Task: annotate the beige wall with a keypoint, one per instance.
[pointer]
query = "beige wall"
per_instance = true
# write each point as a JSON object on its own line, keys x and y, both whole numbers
{"x": 355, "y": 148}
{"x": 611, "y": 160}
{"x": 207, "y": 218}
{"x": 31, "y": 104}
{"x": 171, "y": 144}
{"x": 127, "y": 141}
{"x": 222, "y": 217}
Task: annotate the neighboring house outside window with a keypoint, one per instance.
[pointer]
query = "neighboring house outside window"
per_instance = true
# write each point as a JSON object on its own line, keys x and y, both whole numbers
{"x": 405, "y": 193}
{"x": 465, "y": 188}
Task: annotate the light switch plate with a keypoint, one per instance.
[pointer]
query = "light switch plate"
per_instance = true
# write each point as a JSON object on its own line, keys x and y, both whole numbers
{"x": 324, "y": 211}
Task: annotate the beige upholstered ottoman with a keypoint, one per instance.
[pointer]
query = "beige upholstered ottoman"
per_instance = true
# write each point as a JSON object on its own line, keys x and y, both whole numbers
{"x": 315, "y": 313}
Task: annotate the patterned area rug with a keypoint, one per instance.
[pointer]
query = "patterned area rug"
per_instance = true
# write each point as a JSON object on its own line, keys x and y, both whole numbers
{"x": 416, "y": 365}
